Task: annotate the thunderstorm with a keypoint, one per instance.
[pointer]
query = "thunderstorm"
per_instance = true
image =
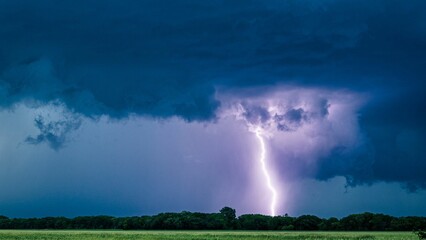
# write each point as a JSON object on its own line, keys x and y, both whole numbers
{"x": 265, "y": 171}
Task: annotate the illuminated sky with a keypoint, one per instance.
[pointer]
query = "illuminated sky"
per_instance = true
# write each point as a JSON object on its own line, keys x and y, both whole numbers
{"x": 140, "y": 107}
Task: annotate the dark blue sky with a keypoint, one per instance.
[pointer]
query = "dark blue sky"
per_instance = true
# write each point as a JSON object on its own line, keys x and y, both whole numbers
{"x": 139, "y": 107}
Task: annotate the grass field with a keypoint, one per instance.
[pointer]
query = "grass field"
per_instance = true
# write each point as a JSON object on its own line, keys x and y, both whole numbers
{"x": 196, "y": 235}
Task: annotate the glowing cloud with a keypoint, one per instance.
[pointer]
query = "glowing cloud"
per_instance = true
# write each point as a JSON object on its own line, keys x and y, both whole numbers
{"x": 305, "y": 128}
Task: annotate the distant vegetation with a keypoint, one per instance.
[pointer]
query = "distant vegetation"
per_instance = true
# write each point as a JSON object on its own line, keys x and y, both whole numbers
{"x": 199, "y": 235}
{"x": 226, "y": 219}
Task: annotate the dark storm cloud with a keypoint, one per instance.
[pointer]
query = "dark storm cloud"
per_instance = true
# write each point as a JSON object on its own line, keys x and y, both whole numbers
{"x": 256, "y": 114}
{"x": 292, "y": 116}
{"x": 165, "y": 58}
{"x": 54, "y": 132}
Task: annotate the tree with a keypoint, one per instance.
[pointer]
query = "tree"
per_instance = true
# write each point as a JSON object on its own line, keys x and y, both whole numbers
{"x": 381, "y": 222}
{"x": 307, "y": 222}
{"x": 254, "y": 222}
{"x": 357, "y": 222}
{"x": 330, "y": 224}
{"x": 281, "y": 223}
{"x": 230, "y": 217}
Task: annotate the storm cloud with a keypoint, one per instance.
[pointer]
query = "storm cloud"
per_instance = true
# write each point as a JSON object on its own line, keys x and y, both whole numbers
{"x": 176, "y": 58}
{"x": 311, "y": 132}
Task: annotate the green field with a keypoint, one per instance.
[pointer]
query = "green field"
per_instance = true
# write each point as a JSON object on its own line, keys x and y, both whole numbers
{"x": 196, "y": 235}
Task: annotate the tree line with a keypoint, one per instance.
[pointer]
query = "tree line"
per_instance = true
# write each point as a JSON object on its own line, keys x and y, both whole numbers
{"x": 226, "y": 219}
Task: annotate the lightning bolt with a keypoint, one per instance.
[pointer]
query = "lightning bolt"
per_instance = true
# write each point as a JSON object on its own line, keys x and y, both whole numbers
{"x": 266, "y": 173}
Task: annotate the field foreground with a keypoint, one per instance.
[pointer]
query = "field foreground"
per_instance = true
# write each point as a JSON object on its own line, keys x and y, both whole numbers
{"x": 195, "y": 235}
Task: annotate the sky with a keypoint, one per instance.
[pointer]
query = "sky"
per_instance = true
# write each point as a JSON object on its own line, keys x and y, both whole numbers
{"x": 130, "y": 108}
